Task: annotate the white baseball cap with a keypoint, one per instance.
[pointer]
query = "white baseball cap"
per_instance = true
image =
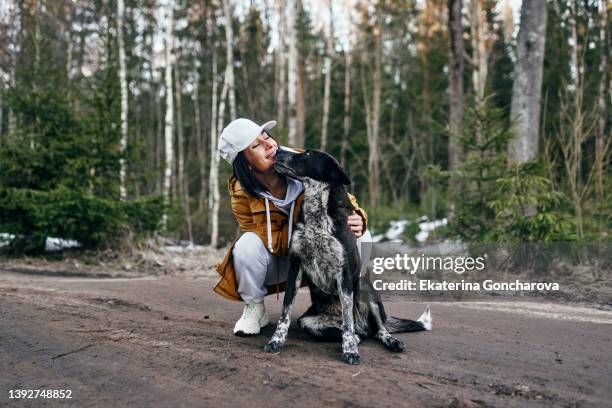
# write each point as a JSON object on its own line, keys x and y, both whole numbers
{"x": 238, "y": 135}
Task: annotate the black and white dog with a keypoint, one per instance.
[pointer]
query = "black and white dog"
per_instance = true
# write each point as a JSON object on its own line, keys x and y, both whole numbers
{"x": 324, "y": 252}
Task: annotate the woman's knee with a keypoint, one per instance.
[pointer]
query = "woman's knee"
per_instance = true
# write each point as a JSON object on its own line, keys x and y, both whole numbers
{"x": 250, "y": 255}
{"x": 249, "y": 245}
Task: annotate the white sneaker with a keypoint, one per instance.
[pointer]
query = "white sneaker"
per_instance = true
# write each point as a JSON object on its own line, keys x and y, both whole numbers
{"x": 252, "y": 320}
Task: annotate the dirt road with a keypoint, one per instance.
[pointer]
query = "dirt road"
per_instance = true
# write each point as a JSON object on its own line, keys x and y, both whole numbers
{"x": 166, "y": 341}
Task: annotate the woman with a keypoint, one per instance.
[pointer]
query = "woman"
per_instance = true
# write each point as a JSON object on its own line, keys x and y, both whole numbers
{"x": 265, "y": 205}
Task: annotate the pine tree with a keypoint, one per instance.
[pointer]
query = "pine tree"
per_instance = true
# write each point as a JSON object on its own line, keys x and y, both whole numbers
{"x": 500, "y": 201}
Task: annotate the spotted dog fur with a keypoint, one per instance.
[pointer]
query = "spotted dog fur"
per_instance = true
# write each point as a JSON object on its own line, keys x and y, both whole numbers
{"x": 345, "y": 307}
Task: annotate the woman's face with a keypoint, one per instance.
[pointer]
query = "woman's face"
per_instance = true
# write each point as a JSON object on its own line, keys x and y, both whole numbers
{"x": 261, "y": 153}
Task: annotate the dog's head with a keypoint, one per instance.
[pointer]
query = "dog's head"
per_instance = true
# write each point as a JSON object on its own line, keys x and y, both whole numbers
{"x": 313, "y": 164}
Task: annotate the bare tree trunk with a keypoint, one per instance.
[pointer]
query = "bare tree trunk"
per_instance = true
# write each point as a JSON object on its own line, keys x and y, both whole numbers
{"x": 15, "y": 16}
{"x": 169, "y": 119}
{"x": 1, "y": 110}
{"x": 229, "y": 55}
{"x": 571, "y": 138}
{"x": 348, "y": 55}
{"x": 527, "y": 87}
{"x": 425, "y": 145}
{"x": 214, "y": 235}
{"x": 455, "y": 74}
{"x": 300, "y": 106}
{"x": 603, "y": 90}
{"x": 199, "y": 135}
{"x": 213, "y": 123}
{"x": 155, "y": 122}
{"x": 507, "y": 21}
{"x": 293, "y": 67}
{"x": 182, "y": 184}
{"x": 213, "y": 137}
{"x": 575, "y": 60}
{"x": 280, "y": 65}
{"x": 152, "y": 132}
{"x": 480, "y": 51}
{"x": 38, "y": 42}
{"x": 228, "y": 87}
{"x": 76, "y": 105}
{"x": 373, "y": 136}
{"x": 214, "y": 170}
{"x": 160, "y": 140}
{"x": 12, "y": 119}
{"x": 37, "y": 39}
{"x": 67, "y": 29}
{"x": 124, "y": 96}
{"x": 328, "y": 67}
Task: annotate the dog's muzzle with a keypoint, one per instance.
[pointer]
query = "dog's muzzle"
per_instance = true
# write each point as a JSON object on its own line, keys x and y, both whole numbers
{"x": 282, "y": 168}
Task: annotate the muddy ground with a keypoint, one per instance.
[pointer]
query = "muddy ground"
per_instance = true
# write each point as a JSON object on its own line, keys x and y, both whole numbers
{"x": 128, "y": 338}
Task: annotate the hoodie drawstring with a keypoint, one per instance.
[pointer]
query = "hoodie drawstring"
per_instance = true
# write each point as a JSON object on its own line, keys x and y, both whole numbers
{"x": 269, "y": 230}
{"x": 290, "y": 223}
{"x": 268, "y": 225}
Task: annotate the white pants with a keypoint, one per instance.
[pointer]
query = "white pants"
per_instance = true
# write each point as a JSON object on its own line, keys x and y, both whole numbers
{"x": 256, "y": 267}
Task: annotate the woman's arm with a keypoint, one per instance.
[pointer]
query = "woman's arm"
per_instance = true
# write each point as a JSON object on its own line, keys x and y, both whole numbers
{"x": 242, "y": 212}
{"x": 361, "y": 213}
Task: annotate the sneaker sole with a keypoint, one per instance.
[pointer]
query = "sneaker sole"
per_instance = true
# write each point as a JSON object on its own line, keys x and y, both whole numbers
{"x": 240, "y": 333}
{"x": 262, "y": 323}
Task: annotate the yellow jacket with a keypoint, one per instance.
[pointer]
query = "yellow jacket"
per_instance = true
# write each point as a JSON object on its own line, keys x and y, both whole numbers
{"x": 250, "y": 212}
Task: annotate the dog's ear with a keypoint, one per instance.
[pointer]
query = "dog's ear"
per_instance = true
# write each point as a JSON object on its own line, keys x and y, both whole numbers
{"x": 339, "y": 175}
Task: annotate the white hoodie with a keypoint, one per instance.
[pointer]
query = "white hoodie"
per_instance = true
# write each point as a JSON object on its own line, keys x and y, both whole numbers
{"x": 286, "y": 205}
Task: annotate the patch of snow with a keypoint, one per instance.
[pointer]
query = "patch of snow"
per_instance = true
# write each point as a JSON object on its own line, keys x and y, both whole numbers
{"x": 5, "y": 238}
{"x": 396, "y": 229}
{"x": 185, "y": 246}
{"x": 57, "y": 244}
{"x": 427, "y": 227}
{"x": 51, "y": 243}
{"x": 421, "y": 236}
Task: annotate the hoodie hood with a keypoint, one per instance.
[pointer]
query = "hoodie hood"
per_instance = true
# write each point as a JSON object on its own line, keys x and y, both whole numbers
{"x": 294, "y": 189}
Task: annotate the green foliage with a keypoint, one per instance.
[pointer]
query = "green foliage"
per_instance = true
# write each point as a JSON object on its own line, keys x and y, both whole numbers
{"x": 66, "y": 102}
{"x": 528, "y": 209}
{"x": 380, "y": 217}
{"x": 74, "y": 214}
{"x": 59, "y": 175}
{"x": 435, "y": 200}
{"x": 498, "y": 202}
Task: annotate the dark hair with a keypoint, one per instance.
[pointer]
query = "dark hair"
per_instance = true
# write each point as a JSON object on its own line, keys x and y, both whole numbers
{"x": 245, "y": 175}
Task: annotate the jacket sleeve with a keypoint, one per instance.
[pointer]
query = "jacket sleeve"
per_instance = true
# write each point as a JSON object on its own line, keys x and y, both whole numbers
{"x": 360, "y": 211}
{"x": 242, "y": 212}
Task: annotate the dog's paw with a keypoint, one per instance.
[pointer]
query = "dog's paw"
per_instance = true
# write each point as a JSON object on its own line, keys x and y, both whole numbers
{"x": 351, "y": 358}
{"x": 273, "y": 347}
{"x": 395, "y": 345}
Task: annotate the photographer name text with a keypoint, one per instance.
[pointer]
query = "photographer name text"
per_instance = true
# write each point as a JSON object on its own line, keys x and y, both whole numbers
{"x": 430, "y": 285}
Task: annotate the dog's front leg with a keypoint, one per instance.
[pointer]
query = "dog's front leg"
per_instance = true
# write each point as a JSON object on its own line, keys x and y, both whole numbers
{"x": 350, "y": 341}
{"x": 293, "y": 283}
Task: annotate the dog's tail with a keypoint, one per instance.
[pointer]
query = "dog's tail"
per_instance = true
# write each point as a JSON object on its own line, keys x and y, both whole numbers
{"x": 395, "y": 325}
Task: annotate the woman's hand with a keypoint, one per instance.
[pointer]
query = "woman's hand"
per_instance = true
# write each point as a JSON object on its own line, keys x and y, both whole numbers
{"x": 356, "y": 224}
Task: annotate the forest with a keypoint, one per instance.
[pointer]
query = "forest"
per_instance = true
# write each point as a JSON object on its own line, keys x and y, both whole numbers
{"x": 494, "y": 115}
